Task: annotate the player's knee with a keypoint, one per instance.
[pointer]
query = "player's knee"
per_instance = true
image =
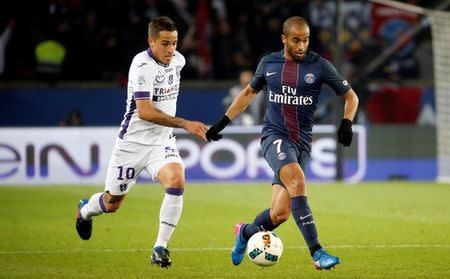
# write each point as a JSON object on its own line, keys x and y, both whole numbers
{"x": 175, "y": 181}
{"x": 296, "y": 185}
{"x": 292, "y": 177}
{"x": 280, "y": 217}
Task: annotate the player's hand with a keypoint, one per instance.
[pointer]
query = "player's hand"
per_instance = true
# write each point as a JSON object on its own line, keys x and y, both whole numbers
{"x": 213, "y": 132}
{"x": 197, "y": 129}
{"x": 345, "y": 132}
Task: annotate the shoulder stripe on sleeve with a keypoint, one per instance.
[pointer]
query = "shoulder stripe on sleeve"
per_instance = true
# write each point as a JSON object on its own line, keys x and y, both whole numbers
{"x": 141, "y": 95}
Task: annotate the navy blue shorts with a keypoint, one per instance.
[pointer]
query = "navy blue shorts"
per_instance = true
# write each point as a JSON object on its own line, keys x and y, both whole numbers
{"x": 279, "y": 151}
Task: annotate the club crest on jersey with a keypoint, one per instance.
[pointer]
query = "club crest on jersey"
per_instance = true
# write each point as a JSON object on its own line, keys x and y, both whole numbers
{"x": 310, "y": 78}
{"x": 170, "y": 79}
{"x": 281, "y": 156}
{"x": 141, "y": 79}
{"x": 160, "y": 77}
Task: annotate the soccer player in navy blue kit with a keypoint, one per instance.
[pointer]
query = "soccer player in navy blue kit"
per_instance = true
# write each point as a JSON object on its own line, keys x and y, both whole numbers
{"x": 292, "y": 79}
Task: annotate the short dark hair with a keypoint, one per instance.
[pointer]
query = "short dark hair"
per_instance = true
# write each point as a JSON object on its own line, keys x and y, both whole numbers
{"x": 297, "y": 20}
{"x": 162, "y": 23}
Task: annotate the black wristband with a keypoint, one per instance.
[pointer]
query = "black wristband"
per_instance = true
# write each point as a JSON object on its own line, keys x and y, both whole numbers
{"x": 346, "y": 122}
{"x": 222, "y": 123}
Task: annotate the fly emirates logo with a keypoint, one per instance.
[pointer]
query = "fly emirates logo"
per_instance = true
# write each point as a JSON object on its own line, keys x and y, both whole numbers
{"x": 289, "y": 97}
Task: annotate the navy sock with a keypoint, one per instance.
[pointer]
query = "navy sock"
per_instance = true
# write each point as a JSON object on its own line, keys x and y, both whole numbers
{"x": 305, "y": 222}
{"x": 262, "y": 222}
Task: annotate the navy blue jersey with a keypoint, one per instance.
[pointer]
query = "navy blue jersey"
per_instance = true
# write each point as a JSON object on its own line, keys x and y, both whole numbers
{"x": 292, "y": 91}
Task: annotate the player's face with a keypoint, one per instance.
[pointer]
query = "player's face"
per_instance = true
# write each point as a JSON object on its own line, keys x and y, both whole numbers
{"x": 164, "y": 45}
{"x": 296, "y": 42}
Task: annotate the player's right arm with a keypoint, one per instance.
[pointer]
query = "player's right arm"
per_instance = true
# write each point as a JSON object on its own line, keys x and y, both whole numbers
{"x": 148, "y": 112}
{"x": 141, "y": 79}
{"x": 246, "y": 96}
{"x": 240, "y": 103}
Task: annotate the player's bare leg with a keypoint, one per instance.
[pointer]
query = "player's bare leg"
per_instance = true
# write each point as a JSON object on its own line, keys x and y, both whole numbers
{"x": 172, "y": 178}
{"x": 268, "y": 220}
{"x": 98, "y": 203}
{"x": 293, "y": 178}
{"x": 281, "y": 205}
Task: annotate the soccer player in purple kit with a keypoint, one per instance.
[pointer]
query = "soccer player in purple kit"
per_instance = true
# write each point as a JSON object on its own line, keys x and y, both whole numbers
{"x": 145, "y": 140}
{"x": 292, "y": 79}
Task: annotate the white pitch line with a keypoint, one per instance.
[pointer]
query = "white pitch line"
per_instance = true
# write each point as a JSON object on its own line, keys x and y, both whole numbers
{"x": 200, "y": 249}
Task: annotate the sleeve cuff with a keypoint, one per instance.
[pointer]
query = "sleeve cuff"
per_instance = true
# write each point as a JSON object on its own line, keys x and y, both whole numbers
{"x": 138, "y": 95}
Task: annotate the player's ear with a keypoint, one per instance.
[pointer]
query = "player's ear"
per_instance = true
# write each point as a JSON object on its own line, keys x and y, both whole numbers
{"x": 283, "y": 38}
{"x": 150, "y": 41}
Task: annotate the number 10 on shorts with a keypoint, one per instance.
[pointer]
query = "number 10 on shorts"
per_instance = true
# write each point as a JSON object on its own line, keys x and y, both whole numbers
{"x": 129, "y": 173}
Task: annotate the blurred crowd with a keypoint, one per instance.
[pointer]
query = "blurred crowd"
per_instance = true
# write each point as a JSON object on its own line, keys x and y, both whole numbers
{"x": 96, "y": 40}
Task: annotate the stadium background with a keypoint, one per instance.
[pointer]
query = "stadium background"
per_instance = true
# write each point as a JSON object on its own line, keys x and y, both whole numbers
{"x": 219, "y": 38}
{"x": 60, "y": 112}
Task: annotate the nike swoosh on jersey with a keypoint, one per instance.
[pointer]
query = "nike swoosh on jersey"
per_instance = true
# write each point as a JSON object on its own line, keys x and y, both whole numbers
{"x": 270, "y": 73}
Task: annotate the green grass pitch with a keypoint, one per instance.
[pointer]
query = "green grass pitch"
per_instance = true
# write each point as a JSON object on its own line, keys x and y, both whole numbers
{"x": 385, "y": 230}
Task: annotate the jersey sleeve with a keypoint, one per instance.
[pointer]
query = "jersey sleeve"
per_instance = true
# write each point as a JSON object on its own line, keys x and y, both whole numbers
{"x": 332, "y": 78}
{"x": 181, "y": 58}
{"x": 142, "y": 80}
{"x": 259, "y": 81}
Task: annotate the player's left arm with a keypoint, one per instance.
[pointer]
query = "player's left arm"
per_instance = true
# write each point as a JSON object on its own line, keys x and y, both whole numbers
{"x": 345, "y": 132}
{"x": 343, "y": 88}
{"x": 351, "y": 104}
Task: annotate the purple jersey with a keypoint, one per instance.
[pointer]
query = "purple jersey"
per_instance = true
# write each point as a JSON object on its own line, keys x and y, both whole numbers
{"x": 292, "y": 91}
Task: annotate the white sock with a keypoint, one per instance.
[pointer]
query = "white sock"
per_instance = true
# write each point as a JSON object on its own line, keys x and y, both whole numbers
{"x": 169, "y": 215}
{"x": 94, "y": 207}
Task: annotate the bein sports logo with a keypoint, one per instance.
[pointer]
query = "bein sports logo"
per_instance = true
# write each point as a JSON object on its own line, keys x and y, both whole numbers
{"x": 239, "y": 157}
{"x": 14, "y": 160}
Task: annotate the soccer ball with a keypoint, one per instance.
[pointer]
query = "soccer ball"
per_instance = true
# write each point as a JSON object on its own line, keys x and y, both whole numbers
{"x": 264, "y": 248}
